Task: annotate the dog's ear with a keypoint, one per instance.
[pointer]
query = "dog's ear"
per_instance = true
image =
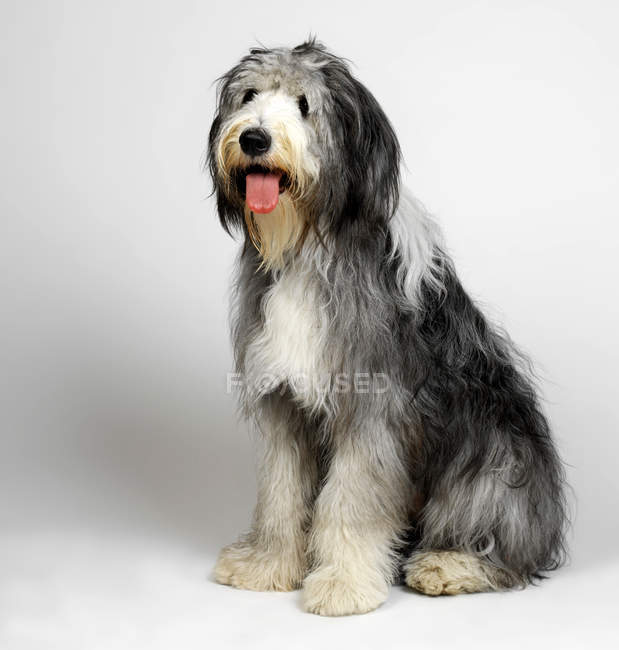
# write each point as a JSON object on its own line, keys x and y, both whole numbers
{"x": 230, "y": 215}
{"x": 369, "y": 153}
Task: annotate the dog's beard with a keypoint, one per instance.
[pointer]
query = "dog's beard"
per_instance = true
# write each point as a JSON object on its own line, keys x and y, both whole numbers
{"x": 276, "y": 234}
{"x": 280, "y": 233}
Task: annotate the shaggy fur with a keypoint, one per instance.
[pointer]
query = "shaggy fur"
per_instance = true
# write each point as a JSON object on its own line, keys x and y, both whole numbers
{"x": 395, "y": 419}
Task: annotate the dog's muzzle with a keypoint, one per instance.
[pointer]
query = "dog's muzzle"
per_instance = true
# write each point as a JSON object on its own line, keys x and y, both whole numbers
{"x": 262, "y": 185}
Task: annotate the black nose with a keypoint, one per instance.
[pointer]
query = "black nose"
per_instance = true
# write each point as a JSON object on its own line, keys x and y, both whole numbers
{"x": 255, "y": 142}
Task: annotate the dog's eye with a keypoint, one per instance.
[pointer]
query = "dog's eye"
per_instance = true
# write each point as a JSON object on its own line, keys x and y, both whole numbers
{"x": 249, "y": 95}
{"x": 303, "y": 105}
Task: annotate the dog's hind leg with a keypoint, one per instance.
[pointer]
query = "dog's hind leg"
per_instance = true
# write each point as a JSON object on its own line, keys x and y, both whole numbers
{"x": 497, "y": 527}
{"x": 453, "y": 572}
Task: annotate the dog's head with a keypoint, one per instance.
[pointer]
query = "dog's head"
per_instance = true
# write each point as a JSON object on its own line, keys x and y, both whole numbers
{"x": 299, "y": 145}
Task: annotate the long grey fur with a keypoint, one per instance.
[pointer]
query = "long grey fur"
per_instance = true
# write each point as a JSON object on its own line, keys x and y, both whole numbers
{"x": 455, "y": 455}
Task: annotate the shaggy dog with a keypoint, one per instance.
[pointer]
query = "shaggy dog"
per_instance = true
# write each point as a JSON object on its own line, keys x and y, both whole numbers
{"x": 402, "y": 433}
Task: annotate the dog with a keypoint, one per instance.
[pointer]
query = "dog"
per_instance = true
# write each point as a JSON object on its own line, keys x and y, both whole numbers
{"x": 402, "y": 437}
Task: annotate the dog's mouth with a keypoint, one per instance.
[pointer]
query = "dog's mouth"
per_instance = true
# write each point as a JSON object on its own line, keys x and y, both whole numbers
{"x": 261, "y": 186}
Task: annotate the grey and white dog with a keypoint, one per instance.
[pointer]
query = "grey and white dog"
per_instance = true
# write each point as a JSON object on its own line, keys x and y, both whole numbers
{"x": 402, "y": 433}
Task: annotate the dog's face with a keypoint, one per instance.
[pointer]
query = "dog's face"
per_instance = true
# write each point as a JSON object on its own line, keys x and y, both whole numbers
{"x": 299, "y": 144}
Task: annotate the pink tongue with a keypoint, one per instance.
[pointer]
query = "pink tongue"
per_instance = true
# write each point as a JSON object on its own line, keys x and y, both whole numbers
{"x": 262, "y": 192}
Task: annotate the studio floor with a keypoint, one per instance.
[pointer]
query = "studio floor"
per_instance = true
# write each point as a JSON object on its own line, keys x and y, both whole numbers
{"x": 108, "y": 567}
{"x": 106, "y": 591}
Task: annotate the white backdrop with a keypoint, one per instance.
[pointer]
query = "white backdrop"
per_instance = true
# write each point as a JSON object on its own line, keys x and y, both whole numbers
{"x": 123, "y": 468}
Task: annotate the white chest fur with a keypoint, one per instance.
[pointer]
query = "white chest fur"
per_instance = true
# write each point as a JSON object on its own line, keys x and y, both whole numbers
{"x": 290, "y": 347}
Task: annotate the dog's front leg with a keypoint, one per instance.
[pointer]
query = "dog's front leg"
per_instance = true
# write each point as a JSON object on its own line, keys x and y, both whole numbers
{"x": 359, "y": 515}
{"x": 272, "y": 555}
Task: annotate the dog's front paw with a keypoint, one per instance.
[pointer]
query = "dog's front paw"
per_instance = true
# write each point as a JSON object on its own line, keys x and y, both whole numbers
{"x": 245, "y": 566}
{"x": 330, "y": 592}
